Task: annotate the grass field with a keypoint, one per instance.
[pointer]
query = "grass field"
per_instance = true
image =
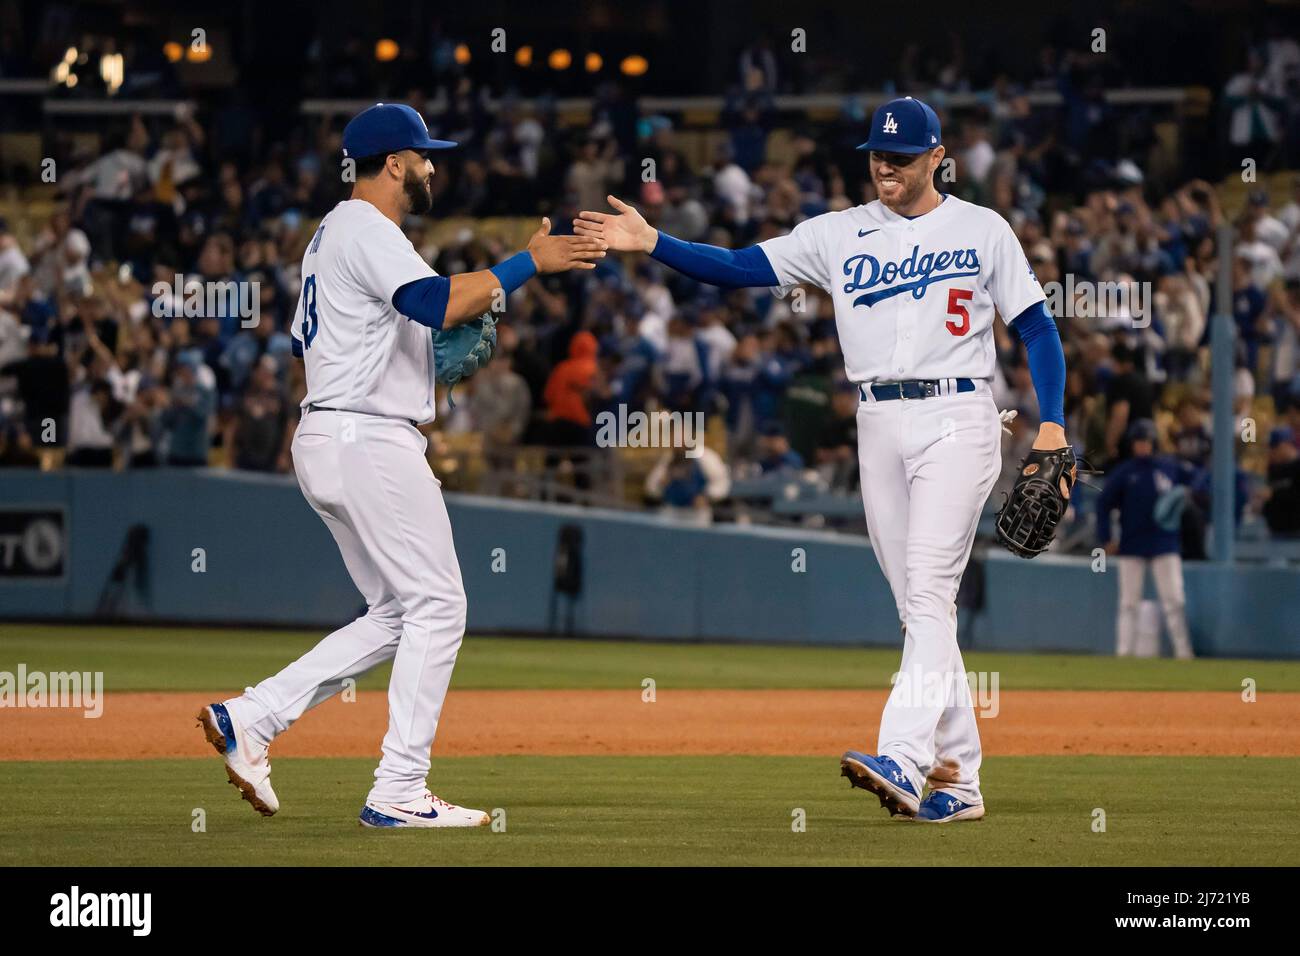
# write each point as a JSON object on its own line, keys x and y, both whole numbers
{"x": 212, "y": 659}
{"x": 637, "y": 810}
{"x": 656, "y": 811}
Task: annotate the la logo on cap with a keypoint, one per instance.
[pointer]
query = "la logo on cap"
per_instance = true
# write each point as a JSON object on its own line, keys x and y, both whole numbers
{"x": 891, "y": 125}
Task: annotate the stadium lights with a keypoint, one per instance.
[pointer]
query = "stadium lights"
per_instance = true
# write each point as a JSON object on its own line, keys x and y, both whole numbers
{"x": 198, "y": 54}
{"x": 172, "y": 50}
{"x": 594, "y": 62}
{"x": 462, "y": 54}
{"x": 634, "y": 66}
{"x": 62, "y": 73}
{"x": 111, "y": 71}
{"x": 386, "y": 50}
{"x": 560, "y": 59}
{"x": 524, "y": 56}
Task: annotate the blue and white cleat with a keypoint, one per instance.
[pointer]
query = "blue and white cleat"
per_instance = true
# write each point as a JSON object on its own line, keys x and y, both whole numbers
{"x": 940, "y": 807}
{"x": 883, "y": 777}
{"x": 428, "y": 811}
{"x": 247, "y": 764}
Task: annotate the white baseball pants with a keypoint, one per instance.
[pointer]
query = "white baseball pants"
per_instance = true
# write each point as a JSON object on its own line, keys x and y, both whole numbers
{"x": 1168, "y": 572}
{"x": 368, "y": 479}
{"x": 927, "y": 467}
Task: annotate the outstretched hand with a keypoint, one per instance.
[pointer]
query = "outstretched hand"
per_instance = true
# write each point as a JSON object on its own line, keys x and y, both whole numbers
{"x": 624, "y": 231}
{"x": 562, "y": 253}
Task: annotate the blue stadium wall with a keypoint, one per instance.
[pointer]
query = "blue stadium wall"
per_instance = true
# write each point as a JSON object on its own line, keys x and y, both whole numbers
{"x": 269, "y": 560}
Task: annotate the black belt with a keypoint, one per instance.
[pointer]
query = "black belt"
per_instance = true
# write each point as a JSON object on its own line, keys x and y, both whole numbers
{"x": 918, "y": 388}
{"x": 325, "y": 408}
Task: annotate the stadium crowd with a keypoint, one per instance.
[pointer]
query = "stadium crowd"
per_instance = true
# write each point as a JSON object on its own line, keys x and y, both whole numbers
{"x": 93, "y": 360}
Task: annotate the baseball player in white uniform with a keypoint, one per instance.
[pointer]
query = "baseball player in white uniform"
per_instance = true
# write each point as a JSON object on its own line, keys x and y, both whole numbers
{"x": 916, "y": 277}
{"x": 364, "y": 326}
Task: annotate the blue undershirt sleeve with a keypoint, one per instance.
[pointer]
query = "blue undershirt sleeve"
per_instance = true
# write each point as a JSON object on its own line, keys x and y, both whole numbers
{"x": 424, "y": 300}
{"x": 728, "y": 268}
{"x": 1037, "y": 329}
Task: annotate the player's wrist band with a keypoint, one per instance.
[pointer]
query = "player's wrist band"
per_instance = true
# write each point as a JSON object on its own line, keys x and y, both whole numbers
{"x": 515, "y": 271}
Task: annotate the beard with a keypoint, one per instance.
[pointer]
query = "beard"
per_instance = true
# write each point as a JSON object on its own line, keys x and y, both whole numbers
{"x": 419, "y": 194}
{"x": 909, "y": 193}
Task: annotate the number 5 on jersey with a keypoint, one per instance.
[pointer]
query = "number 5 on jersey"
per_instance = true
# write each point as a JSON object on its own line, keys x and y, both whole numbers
{"x": 309, "y": 321}
{"x": 955, "y": 299}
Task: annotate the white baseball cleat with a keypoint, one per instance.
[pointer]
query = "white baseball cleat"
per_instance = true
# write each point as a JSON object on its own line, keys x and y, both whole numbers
{"x": 428, "y": 811}
{"x": 247, "y": 765}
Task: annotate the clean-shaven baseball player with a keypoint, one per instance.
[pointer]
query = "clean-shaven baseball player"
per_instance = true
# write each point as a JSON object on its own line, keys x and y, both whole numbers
{"x": 365, "y": 323}
{"x": 916, "y": 277}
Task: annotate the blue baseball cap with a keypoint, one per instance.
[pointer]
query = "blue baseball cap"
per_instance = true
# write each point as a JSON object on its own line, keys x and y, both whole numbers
{"x": 1281, "y": 436}
{"x": 1142, "y": 429}
{"x": 388, "y": 128}
{"x": 904, "y": 125}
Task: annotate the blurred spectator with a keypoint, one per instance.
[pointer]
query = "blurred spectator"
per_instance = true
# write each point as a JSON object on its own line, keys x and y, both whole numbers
{"x": 13, "y": 264}
{"x": 774, "y": 452}
{"x": 1282, "y": 496}
{"x": 186, "y": 419}
{"x": 257, "y": 434}
{"x": 1129, "y": 397}
{"x": 758, "y": 60}
{"x": 684, "y": 364}
{"x": 837, "y": 446}
{"x": 1284, "y": 320}
{"x": 43, "y": 387}
{"x": 16, "y": 447}
{"x": 1255, "y": 104}
{"x": 1289, "y": 215}
{"x": 499, "y": 403}
{"x": 595, "y": 172}
{"x": 568, "y": 392}
{"x": 1260, "y": 256}
{"x": 689, "y": 484}
{"x": 1148, "y": 493}
{"x": 978, "y": 156}
{"x": 1184, "y": 319}
{"x": 732, "y": 186}
{"x": 1265, "y": 227}
{"x": 90, "y": 417}
{"x": 1248, "y": 301}
{"x": 62, "y": 257}
{"x": 1191, "y": 434}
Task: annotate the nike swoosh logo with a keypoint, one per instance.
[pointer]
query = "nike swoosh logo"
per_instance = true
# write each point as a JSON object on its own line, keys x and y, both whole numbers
{"x": 427, "y": 815}
{"x": 866, "y": 232}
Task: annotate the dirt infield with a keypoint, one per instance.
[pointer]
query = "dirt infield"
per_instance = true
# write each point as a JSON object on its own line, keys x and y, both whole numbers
{"x": 602, "y": 722}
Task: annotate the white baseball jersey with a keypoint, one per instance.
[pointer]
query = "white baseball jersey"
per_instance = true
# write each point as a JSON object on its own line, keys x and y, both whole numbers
{"x": 361, "y": 354}
{"x": 914, "y": 298}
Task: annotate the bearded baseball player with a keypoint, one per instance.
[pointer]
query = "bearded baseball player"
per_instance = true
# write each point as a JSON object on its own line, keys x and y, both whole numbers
{"x": 376, "y": 327}
{"x": 916, "y": 277}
